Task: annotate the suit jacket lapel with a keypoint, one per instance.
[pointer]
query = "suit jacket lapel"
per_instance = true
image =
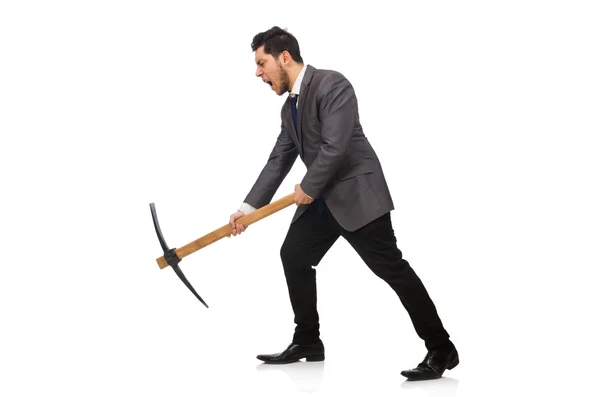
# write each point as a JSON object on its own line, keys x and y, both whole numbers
{"x": 308, "y": 75}
{"x": 301, "y": 101}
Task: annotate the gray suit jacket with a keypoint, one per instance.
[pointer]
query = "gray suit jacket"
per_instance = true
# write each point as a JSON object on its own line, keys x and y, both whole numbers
{"x": 342, "y": 167}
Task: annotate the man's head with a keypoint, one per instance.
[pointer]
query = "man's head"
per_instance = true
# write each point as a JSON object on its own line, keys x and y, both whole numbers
{"x": 277, "y": 57}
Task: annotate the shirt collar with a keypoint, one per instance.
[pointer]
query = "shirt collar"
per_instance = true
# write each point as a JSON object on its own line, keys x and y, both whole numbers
{"x": 298, "y": 83}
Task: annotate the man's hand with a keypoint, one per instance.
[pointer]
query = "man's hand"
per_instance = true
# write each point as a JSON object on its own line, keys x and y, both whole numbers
{"x": 236, "y": 228}
{"x": 300, "y": 197}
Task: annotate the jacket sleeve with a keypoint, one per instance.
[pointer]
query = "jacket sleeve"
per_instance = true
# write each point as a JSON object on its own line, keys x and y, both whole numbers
{"x": 338, "y": 109}
{"x": 278, "y": 165}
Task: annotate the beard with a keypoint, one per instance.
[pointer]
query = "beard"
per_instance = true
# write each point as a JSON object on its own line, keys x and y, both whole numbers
{"x": 284, "y": 85}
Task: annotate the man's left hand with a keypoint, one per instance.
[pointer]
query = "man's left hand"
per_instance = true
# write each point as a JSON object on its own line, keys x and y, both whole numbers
{"x": 300, "y": 197}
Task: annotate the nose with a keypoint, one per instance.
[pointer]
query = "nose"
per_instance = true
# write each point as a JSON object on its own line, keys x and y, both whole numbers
{"x": 258, "y": 71}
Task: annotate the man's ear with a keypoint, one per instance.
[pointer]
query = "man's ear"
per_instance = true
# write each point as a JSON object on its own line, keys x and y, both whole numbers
{"x": 286, "y": 58}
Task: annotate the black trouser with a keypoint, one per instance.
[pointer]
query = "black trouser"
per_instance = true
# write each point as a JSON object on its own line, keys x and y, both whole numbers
{"x": 309, "y": 239}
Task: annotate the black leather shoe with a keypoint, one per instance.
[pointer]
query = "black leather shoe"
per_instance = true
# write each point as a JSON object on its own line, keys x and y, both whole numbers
{"x": 295, "y": 352}
{"x": 434, "y": 365}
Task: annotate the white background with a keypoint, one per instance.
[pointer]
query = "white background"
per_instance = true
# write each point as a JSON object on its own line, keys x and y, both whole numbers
{"x": 484, "y": 115}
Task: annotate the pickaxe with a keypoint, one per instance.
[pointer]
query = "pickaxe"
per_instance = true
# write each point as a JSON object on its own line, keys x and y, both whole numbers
{"x": 173, "y": 256}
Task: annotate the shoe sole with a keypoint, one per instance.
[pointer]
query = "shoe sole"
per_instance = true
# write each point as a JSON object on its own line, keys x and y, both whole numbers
{"x": 318, "y": 357}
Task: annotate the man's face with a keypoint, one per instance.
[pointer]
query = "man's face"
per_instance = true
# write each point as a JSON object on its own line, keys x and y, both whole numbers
{"x": 271, "y": 71}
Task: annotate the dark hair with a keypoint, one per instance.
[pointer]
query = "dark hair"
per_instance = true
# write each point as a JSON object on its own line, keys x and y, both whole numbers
{"x": 277, "y": 40}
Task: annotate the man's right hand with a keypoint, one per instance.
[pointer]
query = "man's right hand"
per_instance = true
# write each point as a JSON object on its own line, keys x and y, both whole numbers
{"x": 236, "y": 228}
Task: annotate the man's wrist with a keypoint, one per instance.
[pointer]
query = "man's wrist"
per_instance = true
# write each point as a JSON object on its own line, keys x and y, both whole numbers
{"x": 246, "y": 208}
{"x": 304, "y": 191}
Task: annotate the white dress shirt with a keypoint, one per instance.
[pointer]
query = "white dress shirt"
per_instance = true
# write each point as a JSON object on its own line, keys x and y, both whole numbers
{"x": 245, "y": 207}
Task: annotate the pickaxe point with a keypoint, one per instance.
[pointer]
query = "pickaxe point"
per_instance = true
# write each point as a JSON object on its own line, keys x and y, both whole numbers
{"x": 173, "y": 256}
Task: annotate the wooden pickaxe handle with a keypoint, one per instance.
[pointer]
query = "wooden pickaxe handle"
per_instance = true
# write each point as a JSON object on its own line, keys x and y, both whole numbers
{"x": 226, "y": 230}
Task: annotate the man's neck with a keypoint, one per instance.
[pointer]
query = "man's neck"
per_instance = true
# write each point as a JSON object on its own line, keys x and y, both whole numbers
{"x": 294, "y": 72}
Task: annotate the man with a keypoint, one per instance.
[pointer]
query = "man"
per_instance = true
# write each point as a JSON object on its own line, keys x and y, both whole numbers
{"x": 343, "y": 193}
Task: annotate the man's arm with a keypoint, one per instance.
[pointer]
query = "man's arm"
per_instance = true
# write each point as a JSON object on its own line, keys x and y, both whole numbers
{"x": 278, "y": 165}
{"x": 338, "y": 109}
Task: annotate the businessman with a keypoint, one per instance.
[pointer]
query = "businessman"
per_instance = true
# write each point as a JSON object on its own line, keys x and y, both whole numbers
{"x": 343, "y": 193}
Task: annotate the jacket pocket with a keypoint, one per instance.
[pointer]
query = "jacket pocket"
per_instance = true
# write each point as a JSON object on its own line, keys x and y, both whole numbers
{"x": 355, "y": 170}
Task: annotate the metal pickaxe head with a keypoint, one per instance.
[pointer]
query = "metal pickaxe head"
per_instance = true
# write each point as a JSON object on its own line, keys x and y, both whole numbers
{"x": 171, "y": 256}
